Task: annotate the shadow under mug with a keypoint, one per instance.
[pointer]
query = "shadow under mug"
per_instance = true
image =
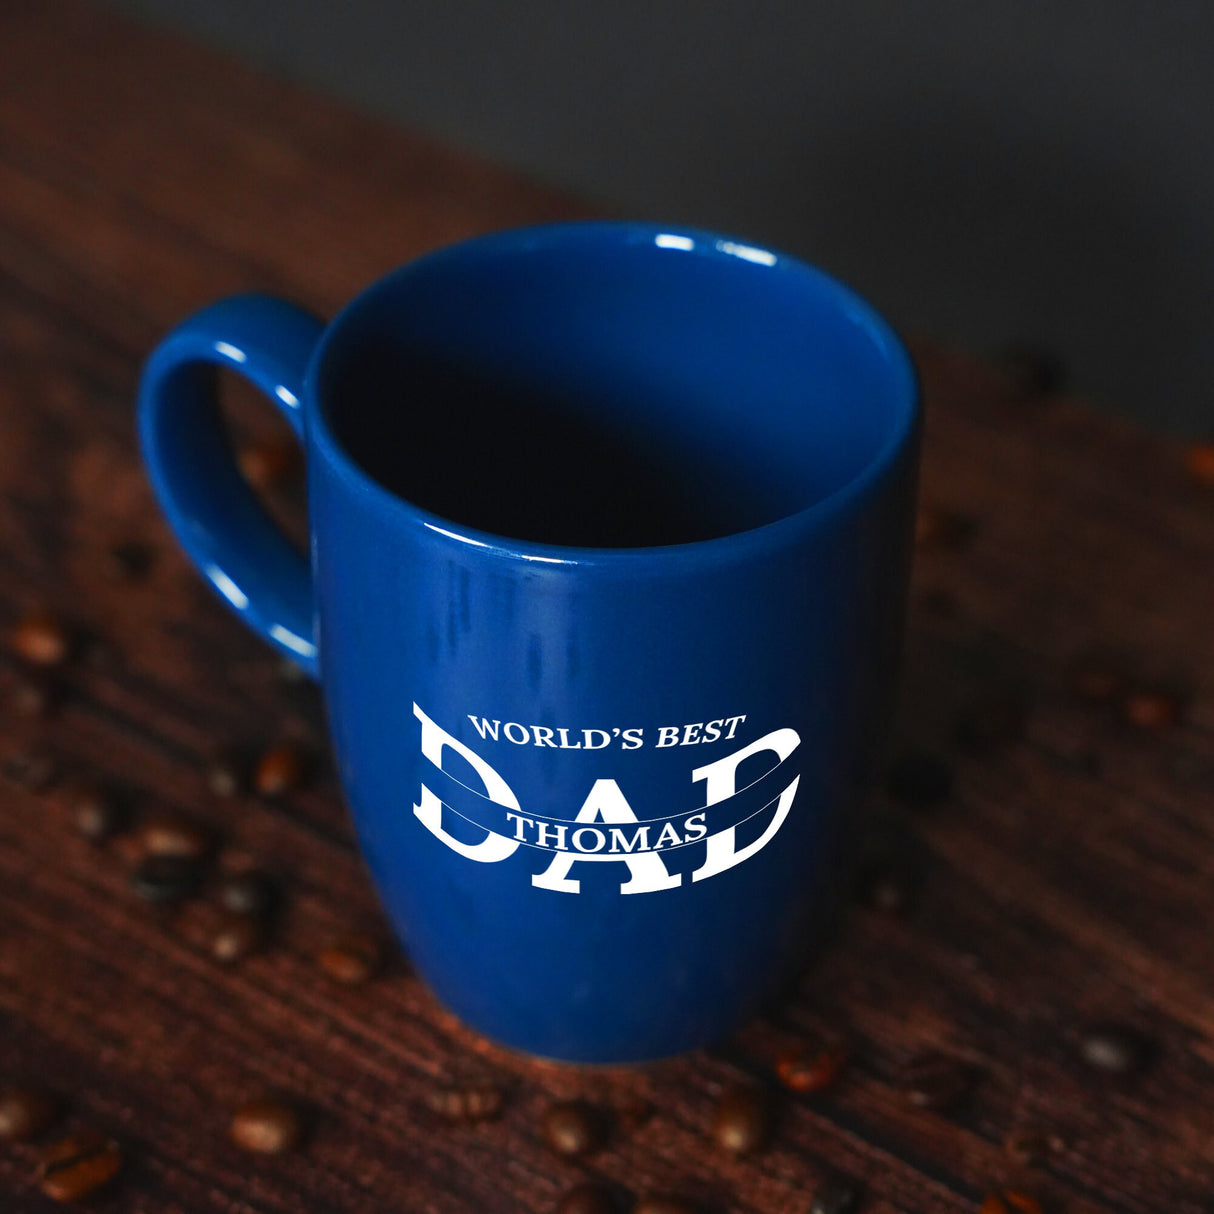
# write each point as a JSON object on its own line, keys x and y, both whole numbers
{"x": 610, "y": 530}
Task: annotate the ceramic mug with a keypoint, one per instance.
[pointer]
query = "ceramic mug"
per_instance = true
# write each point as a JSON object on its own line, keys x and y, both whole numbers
{"x": 610, "y": 530}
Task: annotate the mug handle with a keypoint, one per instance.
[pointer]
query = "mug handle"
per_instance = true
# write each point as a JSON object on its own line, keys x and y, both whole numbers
{"x": 209, "y": 505}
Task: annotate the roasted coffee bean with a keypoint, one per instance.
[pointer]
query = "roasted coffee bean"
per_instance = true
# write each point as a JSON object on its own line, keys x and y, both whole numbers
{"x": 351, "y": 959}
{"x": 1007, "y": 1201}
{"x": 632, "y": 1111}
{"x": 938, "y": 527}
{"x": 165, "y": 878}
{"x": 79, "y": 1166}
{"x": 41, "y": 638}
{"x": 237, "y": 938}
{"x": 35, "y": 695}
{"x": 35, "y": 769}
{"x": 1031, "y": 1144}
{"x": 291, "y": 672}
{"x": 267, "y": 1127}
{"x": 572, "y": 1127}
{"x": 940, "y": 602}
{"x": 96, "y": 812}
{"x": 1095, "y": 677}
{"x": 815, "y": 1070}
{"x": 587, "y": 1199}
{"x": 227, "y": 774}
{"x": 166, "y": 834}
{"x": 247, "y": 893}
{"x": 1151, "y": 708}
{"x": 1029, "y": 370}
{"x": 741, "y": 1122}
{"x": 991, "y": 721}
{"x": 129, "y": 560}
{"x": 270, "y": 462}
{"x": 937, "y": 1082}
{"x": 1199, "y": 459}
{"x": 658, "y": 1204}
{"x": 919, "y": 780}
{"x": 25, "y": 1112}
{"x": 887, "y": 884}
{"x": 466, "y": 1102}
{"x": 280, "y": 770}
{"x": 1114, "y": 1048}
{"x": 836, "y": 1195}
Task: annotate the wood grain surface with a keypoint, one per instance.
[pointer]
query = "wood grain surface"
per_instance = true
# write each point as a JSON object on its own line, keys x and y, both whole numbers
{"x": 1067, "y": 881}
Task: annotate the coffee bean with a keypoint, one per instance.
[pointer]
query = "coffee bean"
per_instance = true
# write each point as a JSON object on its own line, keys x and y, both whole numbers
{"x": 938, "y": 527}
{"x": 991, "y": 721}
{"x": 79, "y": 1166}
{"x": 237, "y": 938}
{"x": 466, "y": 1102}
{"x": 270, "y": 462}
{"x": 129, "y": 560}
{"x": 1151, "y": 708}
{"x": 35, "y": 769}
{"x": 25, "y": 1112}
{"x": 887, "y": 884}
{"x": 227, "y": 775}
{"x": 351, "y": 960}
{"x": 291, "y": 672}
{"x": 836, "y": 1195}
{"x": 937, "y": 1082}
{"x": 35, "y": 695}
{"x": 741, "y": 1122}
{"x": 96, "y": 812}
{"x": 165, "y": 878}
{"x": 632, "y": 1111}
{"x": 168, "y": 834}
{"x": 919, "y": 780}
{"x": 1199, "y": 459}
{"x": 41, "y": 638}
{"x": 572, "y": 1127}
{"x": 814, "y": 1070}
{"x": 279, "y": 771}
{"x": 659, "y": 1204}
{"x": 1095, "y": 677}
{"x": 266, "y": 1127}
{"x": 247, "y": 893}
{"x": 587, "y": 1199}
{"x": 1031, "y": 1144}
{"x": 1114, "y": 1048}
{"x": 1007, "y": 1201}
{"x": 940, "y": 602}
{"x": 1029, "y": 370}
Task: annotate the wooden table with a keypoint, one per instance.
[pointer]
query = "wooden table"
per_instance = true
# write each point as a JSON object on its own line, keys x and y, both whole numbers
{"x": 1069, "y": 879}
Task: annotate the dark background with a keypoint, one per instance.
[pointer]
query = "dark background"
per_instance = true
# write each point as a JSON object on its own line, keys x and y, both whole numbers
{"x": 1042, "y": 169}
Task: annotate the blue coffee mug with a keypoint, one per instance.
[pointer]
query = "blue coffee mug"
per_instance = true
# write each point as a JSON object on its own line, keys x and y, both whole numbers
{"x": 610, "y": 532}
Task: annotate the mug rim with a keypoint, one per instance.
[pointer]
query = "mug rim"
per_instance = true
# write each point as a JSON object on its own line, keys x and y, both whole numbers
{"x": 905, "y": 392}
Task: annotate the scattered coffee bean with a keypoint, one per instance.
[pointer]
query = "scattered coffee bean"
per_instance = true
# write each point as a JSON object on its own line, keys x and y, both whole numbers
{"x": 291, "y": 672}
{"x": 1199, "y": 459}
{"x": 836, "y": 1195}
{"x": 887, "y": 884}
{"x": 42, "y": 638}
{"x": 815, "y": 1070}
{"x": 129, "y": 560}
{"x": 79, "y": 1166}
{"x": 237, "y": 938}
{"x": 24, "y": 1113}
{"x": 247, "y": 893}
{"x": 1114, "y": 1048}
{"x": 990, "y": 722}
{"x": 165, "y": 878}
{"x": 937, "y": 1082}
{"x": 466, "y": 1102}
{"x": 572, "y": 1127}
{"x": 35, "y": 696}
{"x": 266, "y": 1127}
{"x": 1095, "y": 677}
{"x": 351, "y": 960}
{"x": 1007, "y": 1201}
{"x": 96, "y": 812}
{"x": 270, "y": 462}
{"x": 919, "y": 780}
{"x": 940, "y": 602}
{"x": 227, "y": 775}
{"x": 938, "y": 527}
{"x": 1031, "y": 1144}
{"x": 632, "y": 1111}
{"x": 587, "y": 1199}
{"x": 1029, "y": 370}
{"x": 1151, "y": 708}
{"x": 658, "y": 1204}
{"x": 280, "y": 770}
{"x": 168, "y": 834}
{"x": 35, "y": 769}
{"x": 742, "y": 1120}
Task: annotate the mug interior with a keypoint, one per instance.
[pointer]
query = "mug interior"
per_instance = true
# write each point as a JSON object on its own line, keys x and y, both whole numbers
{"x": 612, "y": 385}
